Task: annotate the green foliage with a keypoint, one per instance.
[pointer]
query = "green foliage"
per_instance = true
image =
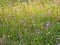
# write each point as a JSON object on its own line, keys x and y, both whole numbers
{"x": 29, "y": 22}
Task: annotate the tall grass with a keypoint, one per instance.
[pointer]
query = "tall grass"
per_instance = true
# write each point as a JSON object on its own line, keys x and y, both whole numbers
{"x": 33, "y": 22}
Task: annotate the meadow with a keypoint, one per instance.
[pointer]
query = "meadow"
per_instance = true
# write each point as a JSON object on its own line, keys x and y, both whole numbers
{"x": 29, "y": 22}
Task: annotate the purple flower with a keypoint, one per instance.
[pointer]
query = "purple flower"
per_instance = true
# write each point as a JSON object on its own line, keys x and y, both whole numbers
{"x": 47, "y": 24}
{"x": 37, "y": 31}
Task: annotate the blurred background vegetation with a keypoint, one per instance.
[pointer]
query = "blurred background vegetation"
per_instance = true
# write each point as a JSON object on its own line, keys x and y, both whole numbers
{"x": 29, "y": 22}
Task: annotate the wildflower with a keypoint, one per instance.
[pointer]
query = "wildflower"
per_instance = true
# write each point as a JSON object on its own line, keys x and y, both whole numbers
{"x": 47, "y": 24}
{"x": 37, "y": 31}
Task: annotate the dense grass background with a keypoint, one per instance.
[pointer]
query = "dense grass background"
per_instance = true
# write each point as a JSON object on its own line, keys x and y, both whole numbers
{"x": 29, "y": 22}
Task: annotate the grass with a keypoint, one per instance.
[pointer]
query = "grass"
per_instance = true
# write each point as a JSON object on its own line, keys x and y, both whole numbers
{"x": 29, "y": 22}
